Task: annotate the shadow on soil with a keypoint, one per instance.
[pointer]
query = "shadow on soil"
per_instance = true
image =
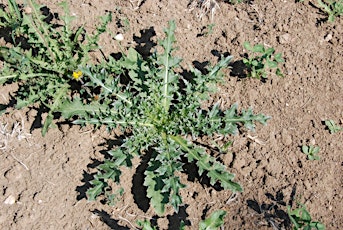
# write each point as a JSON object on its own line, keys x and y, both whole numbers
{"x": 106, "y": 218}
{"x": 272, "y": 211}
{"x": 144, "y": 42}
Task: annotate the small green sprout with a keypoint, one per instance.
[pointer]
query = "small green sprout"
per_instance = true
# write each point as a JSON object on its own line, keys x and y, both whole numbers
{"x": 209, "y": 29}
{"x": 301, "y": 219}
{"x": 263, "y": 59}
{"x": 332, "y": 126}
{"x": 311, "y": 152}
{"x": 332, "y": 8}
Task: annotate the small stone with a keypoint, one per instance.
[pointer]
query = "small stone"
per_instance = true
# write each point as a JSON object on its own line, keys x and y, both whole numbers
{"x": 313, "y": 141}
{"x": 285, "y": 38}
{"x": 10, "y": 200}
{"x": 328, "y": 37}
{"x": 119, "y": 37}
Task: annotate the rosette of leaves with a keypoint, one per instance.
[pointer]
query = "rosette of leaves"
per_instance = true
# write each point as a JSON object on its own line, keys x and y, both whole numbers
{"x": 262, "y": 59}
{"x": 162, "y": 111}
{"x": 42, "y": 56}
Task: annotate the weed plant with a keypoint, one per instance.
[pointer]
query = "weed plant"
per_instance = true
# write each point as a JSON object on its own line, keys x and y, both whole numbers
{"x": 332, "y": 126}
{"x": 301, "y": 219}
{"x": 332, "y": 8}
{"x": 44, "y": 58}
{"x": 311, "y": 152}
{"x": 159, "y": 110}
{"x": 161, "y": 113}
{"x": 261, "y": 60}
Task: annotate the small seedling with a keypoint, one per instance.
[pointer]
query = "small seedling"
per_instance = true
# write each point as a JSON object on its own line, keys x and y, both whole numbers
{"x": 332, "y": 8}
{"x": 301, "y": 219}
{"x": 332, "y": 126}
{"x": 209, "y": 29}
{"x": 311, "y": 152}
{"x": 263, "y": 58}
{"x": 206, "y": 30}
{"x": 213, "y": 222}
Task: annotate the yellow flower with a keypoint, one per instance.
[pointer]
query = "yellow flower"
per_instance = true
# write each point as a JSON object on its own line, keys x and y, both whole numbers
{"x": 77, "y": 74}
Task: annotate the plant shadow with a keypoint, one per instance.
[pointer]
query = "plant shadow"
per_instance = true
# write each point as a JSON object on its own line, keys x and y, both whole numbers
{"x": 110, "y": 222}
{"x": 87, "y": 177}
{"x": 273, "y": 211}
{"x": 145, "y": 43}
{"x": 176, "y": 219}
{"x": 138, "y": 189}
{"x": 238, "y": 68}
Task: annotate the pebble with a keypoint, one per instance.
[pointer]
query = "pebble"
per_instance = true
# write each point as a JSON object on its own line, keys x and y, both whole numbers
{"x": 10, "y": 200}
{"x": 328, "y": 37}
{"x": 284, "y": 39}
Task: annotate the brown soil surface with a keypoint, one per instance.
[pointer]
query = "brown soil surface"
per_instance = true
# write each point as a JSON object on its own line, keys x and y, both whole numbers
{"x": 47, "y": 177}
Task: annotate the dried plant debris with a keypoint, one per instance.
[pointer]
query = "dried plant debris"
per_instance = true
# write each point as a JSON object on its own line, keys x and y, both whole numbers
{"x": 136, "y": 4}
{"x": 15, "y": 132}
{"x": 204, "y": 7}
